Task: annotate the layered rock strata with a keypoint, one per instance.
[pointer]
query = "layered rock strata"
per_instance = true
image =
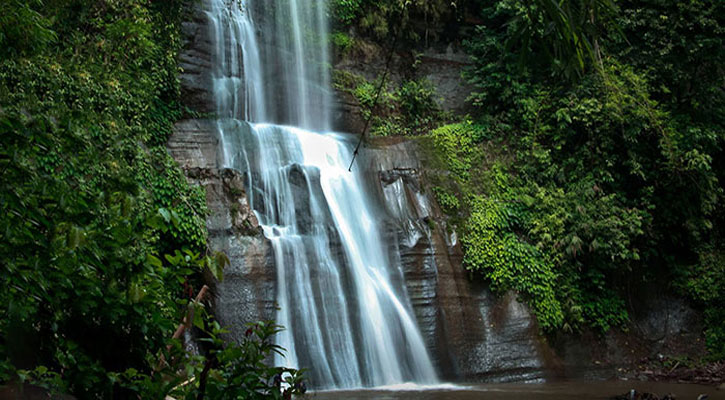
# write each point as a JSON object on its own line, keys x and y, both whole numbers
{"x": 247, "y": 292}
{"x": 471, "y": 334}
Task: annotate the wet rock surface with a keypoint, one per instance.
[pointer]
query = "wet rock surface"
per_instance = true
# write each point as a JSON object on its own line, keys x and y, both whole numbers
{"x": 664, "y": 333}
{"x": 195, "y": 60}
{"x": 443, "y": 69}
{"x": 244, "y": 221}
{"x": 472, "y": 335}
{"x": 247, "y": 292}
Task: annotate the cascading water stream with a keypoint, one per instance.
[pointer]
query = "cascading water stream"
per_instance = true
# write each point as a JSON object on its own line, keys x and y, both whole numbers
{"x": 341, "y": 298}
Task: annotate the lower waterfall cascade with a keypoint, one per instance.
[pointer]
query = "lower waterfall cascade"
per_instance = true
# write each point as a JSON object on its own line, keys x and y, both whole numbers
{"x": 347, "y": 316}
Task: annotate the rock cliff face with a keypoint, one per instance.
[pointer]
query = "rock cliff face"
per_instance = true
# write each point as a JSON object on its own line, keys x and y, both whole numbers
{"x": 195, "y": 60}
{"x": 247, "y": 292}
{"x": 471, "y": 334}
{"x": 441, "y": 67}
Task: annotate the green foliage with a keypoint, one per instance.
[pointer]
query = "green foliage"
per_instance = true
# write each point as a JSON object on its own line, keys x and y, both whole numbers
{"x": 456, "y": 144}
{"x": 491, "y": 236}
{"x": 705, "y": 282}
{"x": 447, "y": 200}
{"x": 418, "y": 104}
{"x": 91, "y": 198}
{"x": 342, "y": 42}
{"x": 346, "y": 12}
{"x": 613, "y": 175}
{"x": 240, "y": 371}
{"x": 715, "y": 332}
{"x": 563, "y": 34}
{"x": 224, "y": 370}
{"x": 23, "y": 30}
{"x": 680, "y": 46}
{"x": 168, "y": 187}
{"x": 416, "y": 19}
{"x": 409, "y": 109}
{"x": 492, "y": 248}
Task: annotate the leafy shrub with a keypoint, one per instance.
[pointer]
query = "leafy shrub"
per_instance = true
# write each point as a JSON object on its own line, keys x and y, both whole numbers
{"x": 612, "y": 175}
{"x": 23, "y": 30}
{"x": 224, "y": 370}
{"x": 168, "y": 187}
{"x": 705, "y": 282}
{"x": 447, "y": 200}
{"x": 679, "y": 45}
{"x": 342, "y": 42}
{"x": 240, "y": 371}
{"x": 492, "y": 248}
{"x": 91, "y": 199}
{"x": 418, "y": 104}
{"x": 416, "y": 19}
{"x": 409, "y": 109}
{"x": 346, "y": 12}
{"x": 455, "y": 143}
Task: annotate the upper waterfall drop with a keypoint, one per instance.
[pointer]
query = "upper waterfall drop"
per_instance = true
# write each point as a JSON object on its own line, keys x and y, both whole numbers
{"x": 341, "y": 294}
{"x": 284, "y": 79}
{"x": 238, "y": 82}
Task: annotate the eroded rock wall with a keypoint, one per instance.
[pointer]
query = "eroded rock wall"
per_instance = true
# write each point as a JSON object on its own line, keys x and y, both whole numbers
{"x": 247, "y": 292}
{"x": 472, "y": 335}
{"x": 195, "y": 60}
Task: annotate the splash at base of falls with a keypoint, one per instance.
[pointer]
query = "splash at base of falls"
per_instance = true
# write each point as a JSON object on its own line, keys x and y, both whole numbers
{"x": 341, "y": 297}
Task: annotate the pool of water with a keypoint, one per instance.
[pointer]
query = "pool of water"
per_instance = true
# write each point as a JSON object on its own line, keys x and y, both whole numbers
{"x": 529, "y": 391}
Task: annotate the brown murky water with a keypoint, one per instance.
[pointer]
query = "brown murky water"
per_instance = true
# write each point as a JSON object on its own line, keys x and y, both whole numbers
{"x": 533, "y": 391}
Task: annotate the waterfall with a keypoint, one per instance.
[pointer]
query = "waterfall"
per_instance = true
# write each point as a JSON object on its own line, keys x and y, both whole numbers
{"x": 341, "y": 295}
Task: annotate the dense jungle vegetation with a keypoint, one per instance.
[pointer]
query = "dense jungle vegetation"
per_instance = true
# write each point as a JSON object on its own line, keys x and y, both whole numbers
{"x": 590, "y": 167}
{"x": 102, "y": 241}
